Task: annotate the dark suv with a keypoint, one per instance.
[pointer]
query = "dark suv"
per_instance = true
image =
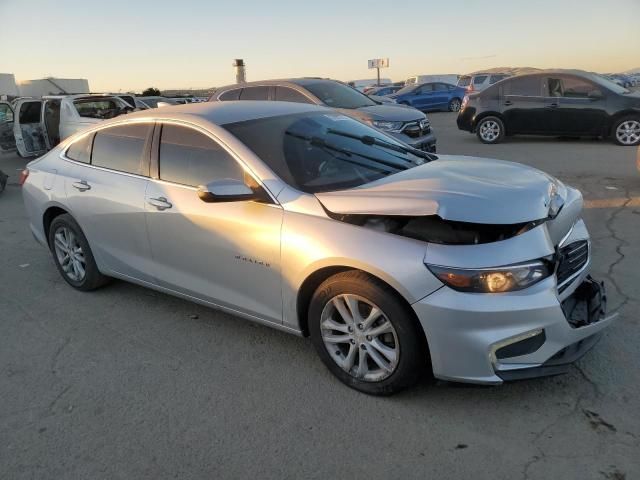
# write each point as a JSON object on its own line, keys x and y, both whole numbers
{"x": 553, "y": 102}
{"x": 405, "y": 123}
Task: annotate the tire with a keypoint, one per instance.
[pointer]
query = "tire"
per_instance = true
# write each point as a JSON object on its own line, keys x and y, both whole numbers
{"x": 406, "y": 356}
{"x": 490, "y": 130}
{"x": 64, "y": 235}
{"x": 455, "y": 104}
{"x": 626, "y": 131}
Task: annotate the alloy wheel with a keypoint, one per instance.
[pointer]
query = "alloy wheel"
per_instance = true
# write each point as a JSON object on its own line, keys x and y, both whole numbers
{"x": 489, "y": 130}
{"x": 69, "y": 254}
{"x": 628, "y": 133}
{"x": 359, "y": 337}
{"x": 455, "y": 105}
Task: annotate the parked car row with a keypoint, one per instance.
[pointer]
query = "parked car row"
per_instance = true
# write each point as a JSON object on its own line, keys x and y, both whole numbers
{"x": 407, "y": 124}
{"x": 553, "y": 102}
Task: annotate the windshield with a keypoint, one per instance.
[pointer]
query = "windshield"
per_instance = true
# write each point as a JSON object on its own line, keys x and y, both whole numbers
{"x": 324, "y": 151}
{"x": 338, "y": 95}
{"x": 407, "y": 89}
{"x": 610, "y": 84}
{"x": 101, "y": 108}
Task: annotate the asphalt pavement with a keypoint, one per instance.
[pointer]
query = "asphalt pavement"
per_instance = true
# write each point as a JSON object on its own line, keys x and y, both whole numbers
{"x": 127, "y": 383}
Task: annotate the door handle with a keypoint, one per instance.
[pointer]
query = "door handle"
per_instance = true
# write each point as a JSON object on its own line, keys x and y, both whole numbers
{"x": 160, "y": 203}
{"x": 82, "y": 185}
{"x": 552, "y": 105}
{"x": 508, "y": 103}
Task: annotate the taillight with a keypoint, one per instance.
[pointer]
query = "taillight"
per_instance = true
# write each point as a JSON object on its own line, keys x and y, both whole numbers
{"x": 23, "y": 176}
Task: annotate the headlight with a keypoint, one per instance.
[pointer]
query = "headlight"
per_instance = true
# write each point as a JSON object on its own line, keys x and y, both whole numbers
{"x": 492, "y": 280}
{"x": 388, "y": 126}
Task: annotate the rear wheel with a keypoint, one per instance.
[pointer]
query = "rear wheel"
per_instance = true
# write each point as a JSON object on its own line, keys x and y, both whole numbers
{"x": 490, "y": 130}
{"x": 626, "y": 131}
{"x": 365, "y": 335}
{"x": 72, "y": 254}
{"x": 454, "y": 105}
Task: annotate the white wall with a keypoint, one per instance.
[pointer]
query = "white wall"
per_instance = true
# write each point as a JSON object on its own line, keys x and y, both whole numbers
{"x": 53, "y": 86}
{"x": 8, "y": 85}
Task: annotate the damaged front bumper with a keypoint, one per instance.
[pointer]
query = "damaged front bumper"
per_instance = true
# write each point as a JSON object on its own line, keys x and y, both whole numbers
{"x": 474, "y": 338}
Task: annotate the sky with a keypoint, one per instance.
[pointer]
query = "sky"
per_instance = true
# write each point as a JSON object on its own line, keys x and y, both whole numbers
{"x": 128, "y": 45}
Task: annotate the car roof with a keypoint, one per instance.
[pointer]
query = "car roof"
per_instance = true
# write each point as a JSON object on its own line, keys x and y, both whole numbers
{"x": 221, "y": 113}
{"x": 281, "y": 81}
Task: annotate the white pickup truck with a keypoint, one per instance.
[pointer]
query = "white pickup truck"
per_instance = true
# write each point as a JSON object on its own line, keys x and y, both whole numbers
{"x": 36, "y": 125}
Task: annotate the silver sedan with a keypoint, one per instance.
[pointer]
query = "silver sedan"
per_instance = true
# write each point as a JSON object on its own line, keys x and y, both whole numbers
{"x": 394, "y": 261}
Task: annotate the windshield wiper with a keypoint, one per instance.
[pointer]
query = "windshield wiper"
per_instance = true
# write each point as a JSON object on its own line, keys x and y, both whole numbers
{"x": 321, "y": 143}
{"x": 369, "y": 140}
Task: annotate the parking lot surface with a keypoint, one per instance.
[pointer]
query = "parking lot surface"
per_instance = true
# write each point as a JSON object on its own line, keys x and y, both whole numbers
{"x": 125, "y": 383}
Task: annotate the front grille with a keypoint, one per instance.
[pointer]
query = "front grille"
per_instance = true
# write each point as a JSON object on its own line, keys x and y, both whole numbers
{"x": 417, "y": 129}
{"x": 571, "y": 259}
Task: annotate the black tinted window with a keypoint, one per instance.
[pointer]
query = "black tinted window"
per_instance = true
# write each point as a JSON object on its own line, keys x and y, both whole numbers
{"x": 30, "y": 112}
{"x": 425, "y": 88}
{"x": 439, "y": 87}
{"x": 571, "y": 87}
{"x": 338, "y": 95}
{"x": 121, "y": 148}
{"x": 230, "y": 95}
{"x": 191, "y": 158}
{"x": 255, "y": 93}
{"x": 479, "y": 79}
{"x": 285, "y": 94}
{"x": 80, "y": 150}
{"x": 524, "y": 86}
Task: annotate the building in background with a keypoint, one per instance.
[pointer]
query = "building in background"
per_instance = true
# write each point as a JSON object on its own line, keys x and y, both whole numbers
{"x": 8, "y": 87}
{"x": 53, "y": 86}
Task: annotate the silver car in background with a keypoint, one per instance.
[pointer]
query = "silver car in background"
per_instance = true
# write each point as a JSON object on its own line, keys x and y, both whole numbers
{"x": 394, "y": 261}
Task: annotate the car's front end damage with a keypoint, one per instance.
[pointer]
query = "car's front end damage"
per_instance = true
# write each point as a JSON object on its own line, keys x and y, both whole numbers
{"x": 509, "y": 246}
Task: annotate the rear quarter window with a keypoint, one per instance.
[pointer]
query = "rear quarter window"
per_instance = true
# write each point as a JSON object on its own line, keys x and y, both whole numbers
{"x": 230, "y": 95}
{"x": 80, "y": 150}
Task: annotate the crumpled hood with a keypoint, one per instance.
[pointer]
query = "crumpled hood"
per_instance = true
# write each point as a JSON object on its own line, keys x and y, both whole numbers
{"x": 457, "y": 188}
{"x": 387, "y": 112}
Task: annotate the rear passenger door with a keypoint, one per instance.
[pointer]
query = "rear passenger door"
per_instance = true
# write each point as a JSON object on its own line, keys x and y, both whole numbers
{"x": 28, "y": 128}
{"x": 105, "y": 192}
{"x": 225, "y": 253}
{"x": 7, "y": 138}
{"x": 523, "y": 106}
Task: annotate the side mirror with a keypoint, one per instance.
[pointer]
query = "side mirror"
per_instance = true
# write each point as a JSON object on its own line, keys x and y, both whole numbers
{"x": 226, "y": 190}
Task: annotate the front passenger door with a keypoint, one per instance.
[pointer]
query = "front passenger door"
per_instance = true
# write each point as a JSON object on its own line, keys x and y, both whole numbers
{"x": 225, "y": 253}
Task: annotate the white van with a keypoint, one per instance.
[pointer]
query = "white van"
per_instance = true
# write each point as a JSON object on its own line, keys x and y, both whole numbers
{"x": 35, "y": 125}
{"x": 450, "y": 78}
{"x": 360, "y": 85}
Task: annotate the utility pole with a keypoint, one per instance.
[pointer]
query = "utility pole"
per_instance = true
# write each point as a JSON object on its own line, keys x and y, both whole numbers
{"x": 239, "y": 65}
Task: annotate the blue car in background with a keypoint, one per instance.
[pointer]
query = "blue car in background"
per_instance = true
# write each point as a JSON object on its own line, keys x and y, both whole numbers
{"x": 431, "y": 96}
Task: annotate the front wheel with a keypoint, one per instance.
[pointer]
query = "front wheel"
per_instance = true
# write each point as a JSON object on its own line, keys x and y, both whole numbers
{"x": 490, "y": 130}
{"x": 365, "y": 335}
{"x": 626, "y": 131}
{"x": 454, "y": 105}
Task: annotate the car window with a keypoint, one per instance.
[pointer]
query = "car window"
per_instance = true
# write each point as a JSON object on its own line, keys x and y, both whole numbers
{"x": 121, "y": 147}
{"x": 286, "y": 94}
{"x": 464, "y": 81}
{"x": 496, "y": 78}
{"x": 323, "y": 151}
{"x": 478, "y": 79}
{"x": 427, "y": 88}
{"x": 102, "y": 109}
{"x": 338, "y": 95}
{"x": 527, "y": 86}
{"x": 6, "y": 114}
{"x": 439, "y": 87}
{"x": 230, "y": 95}
{"x": 191, "y": 158}
{"x": 255, "y": 93}
{"x": 30, "y": 112}
{"x": 571, "y": 87}
{"x": 80, "y": 150}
